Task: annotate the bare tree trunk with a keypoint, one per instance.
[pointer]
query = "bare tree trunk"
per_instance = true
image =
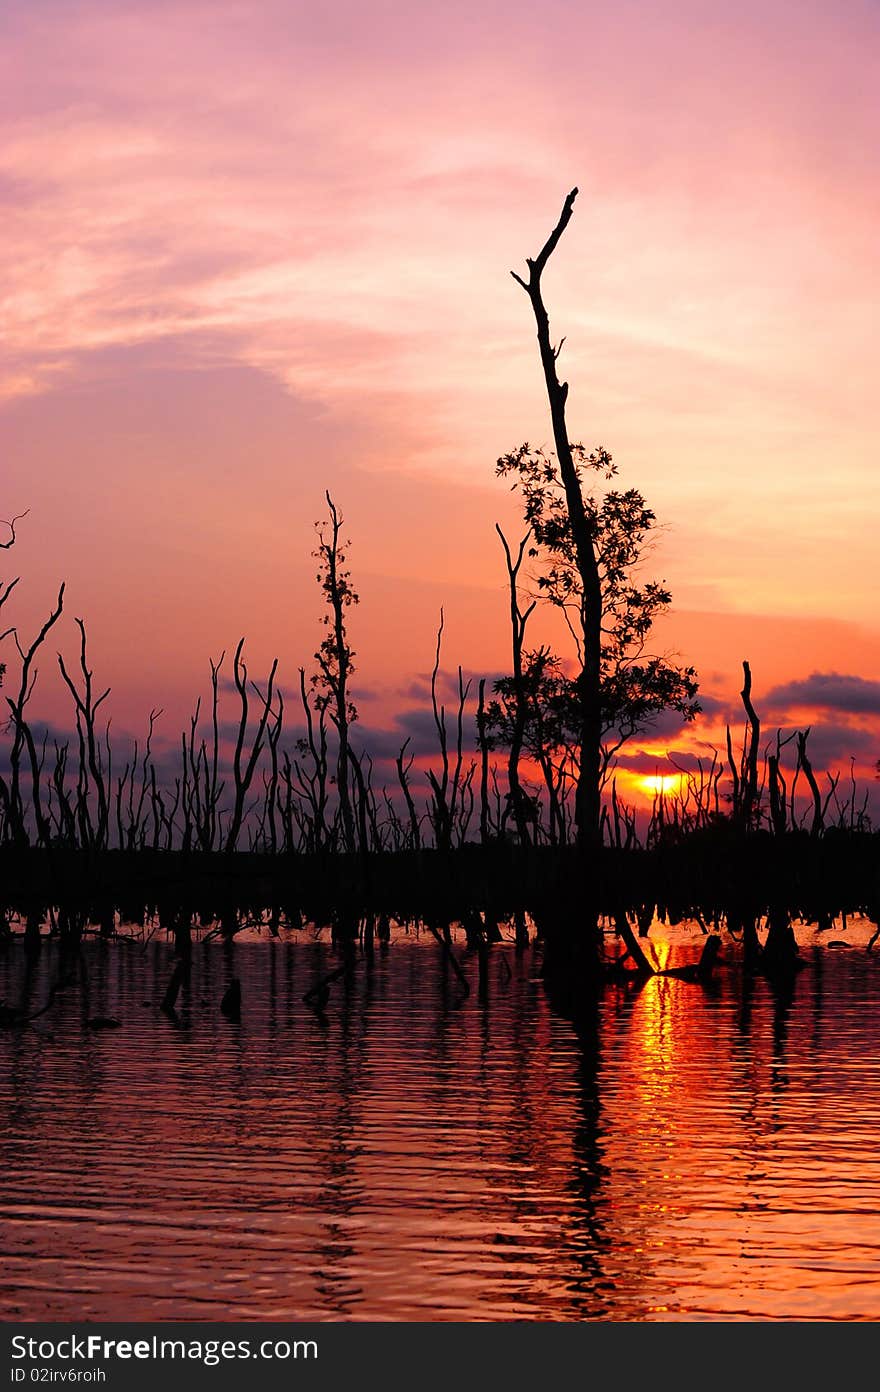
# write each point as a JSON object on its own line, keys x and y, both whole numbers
{"x": 804, "y": 763}
{"x": 777, "y": 796}
{"x": 483, "y": 742}
{"x": 442, "y": 816}
{"x": 243, "y": 770}
{"x": 587, "y": 798}
{"x": 403, "y": 778}
{"x": 22, "y": 736}
{"x": 750, "y": 768}
{"x": 87, "y": 709}
{"x": 518, "y": 620}
{"x": 734, "y": 775}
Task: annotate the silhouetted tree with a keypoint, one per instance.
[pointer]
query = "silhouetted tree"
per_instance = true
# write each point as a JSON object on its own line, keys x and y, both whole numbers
{"x": 404, "y": 766}
{"x": 518, "y": 704}
{"x": 804, "y": 764}
{"x": 335, "y": 657}
{"x": 6, "y": 589}
{"x": 244, "y": 764}
{"x": 542, "y": 705}
{"x": 91, "y": 771}
{"x": 451, "y": 789}
{"x": 23, "y": 737}
{"x": 307, "y": 801}
{"x": 749, "y": 775}
{"x": 587, "y": 798}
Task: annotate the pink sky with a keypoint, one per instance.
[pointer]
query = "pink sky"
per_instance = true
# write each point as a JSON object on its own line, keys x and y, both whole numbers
{"x": 254, "y": 250}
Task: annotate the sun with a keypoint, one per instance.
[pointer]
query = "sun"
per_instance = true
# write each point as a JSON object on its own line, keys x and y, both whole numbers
{"x": 666, "y": 784}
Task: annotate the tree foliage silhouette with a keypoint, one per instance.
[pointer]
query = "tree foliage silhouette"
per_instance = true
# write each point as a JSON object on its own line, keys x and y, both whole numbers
{"x": 543, "y": 705}
{"x": 335, "y": 656}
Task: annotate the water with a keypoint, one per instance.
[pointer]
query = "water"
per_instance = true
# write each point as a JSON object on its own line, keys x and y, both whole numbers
{"x": 684, "y": 1154}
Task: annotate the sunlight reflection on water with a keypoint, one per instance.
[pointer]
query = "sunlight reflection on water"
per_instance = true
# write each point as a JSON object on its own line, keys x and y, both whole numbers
{"x": 682, "y": 1153}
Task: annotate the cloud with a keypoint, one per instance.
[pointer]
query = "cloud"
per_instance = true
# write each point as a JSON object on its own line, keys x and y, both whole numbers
{"x": 418, "y": 723}
{"x": 245, "y": 260}
{"x": 829, "y": 691}
{"x": 417, "y": 690}
{"x": 644, "y": 763}
{"x": 712, "y": 706}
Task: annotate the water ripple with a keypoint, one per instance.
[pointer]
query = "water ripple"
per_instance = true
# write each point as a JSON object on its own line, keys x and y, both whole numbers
{"x": 680, "y": 1154}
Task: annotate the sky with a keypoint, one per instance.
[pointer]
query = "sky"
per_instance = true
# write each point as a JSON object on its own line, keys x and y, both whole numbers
{"x": 253, "y": 251}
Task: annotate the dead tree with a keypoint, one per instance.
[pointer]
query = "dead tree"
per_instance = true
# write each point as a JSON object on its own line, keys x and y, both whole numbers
{"x": 213, "y": 788}
{"x": 484, "y": 748}
{"x": 243, "y": 768}
{"x": 736, "y": 805}
{"x": 449, "y": 788}
{"x": 441, "y": 818}
{"x": 804, "y": 763}
{"x": 5, "y": 592}
{"x": 519, "y": 617}
{"x": 23, "y": 737}
{"x": 587, "y": 793}
{"x": 274, "y": 736}
{"x": 778, "y": 786}
{"x": 750, "y": 751}
{"x": 312, "y": 781}
{"x": 404, "y": 765}
{"x": 335, "y": 658}
{"x": 87, "y": 706}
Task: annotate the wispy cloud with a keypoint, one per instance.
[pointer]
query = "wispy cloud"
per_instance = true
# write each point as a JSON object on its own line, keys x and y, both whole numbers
{"x": 250, "y": 251}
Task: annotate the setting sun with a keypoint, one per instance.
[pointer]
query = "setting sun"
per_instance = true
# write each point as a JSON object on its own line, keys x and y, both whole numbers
{"x": 665, "y": 784}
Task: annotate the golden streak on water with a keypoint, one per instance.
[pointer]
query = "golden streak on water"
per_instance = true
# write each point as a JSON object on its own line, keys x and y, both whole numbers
{"x": 682, "y": 1154}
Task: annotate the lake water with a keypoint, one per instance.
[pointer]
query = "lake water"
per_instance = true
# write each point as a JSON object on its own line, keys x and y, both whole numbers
{"x": 683, "y": 1154}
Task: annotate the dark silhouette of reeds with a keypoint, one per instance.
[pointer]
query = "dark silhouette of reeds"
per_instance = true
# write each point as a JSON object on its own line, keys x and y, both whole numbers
{"x": 699, "y": 853}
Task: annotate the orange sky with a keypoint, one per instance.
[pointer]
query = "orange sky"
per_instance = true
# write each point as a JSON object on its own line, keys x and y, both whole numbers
{"x": 253, "y": 250}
